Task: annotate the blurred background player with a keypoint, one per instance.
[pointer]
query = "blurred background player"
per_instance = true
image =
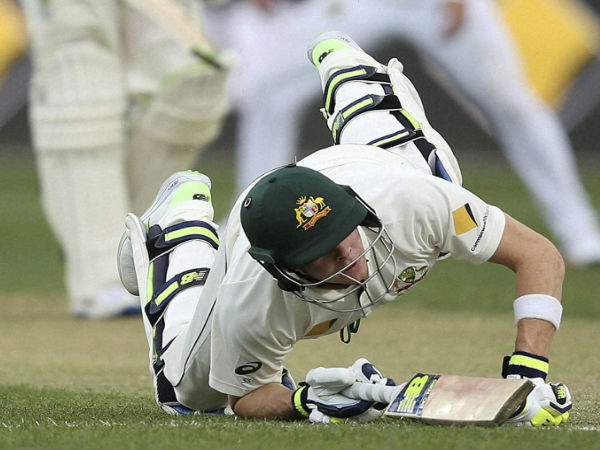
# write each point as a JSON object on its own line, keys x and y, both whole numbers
{"x": 468, "y": 44}
{"x": 116, "y": 105}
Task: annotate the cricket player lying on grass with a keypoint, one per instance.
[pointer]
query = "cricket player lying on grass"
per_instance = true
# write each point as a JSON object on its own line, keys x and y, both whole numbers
{"x": 311, "y": 248}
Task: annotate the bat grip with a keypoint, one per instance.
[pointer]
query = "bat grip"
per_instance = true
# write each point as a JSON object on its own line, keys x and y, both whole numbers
{"x": 372, "y": 392}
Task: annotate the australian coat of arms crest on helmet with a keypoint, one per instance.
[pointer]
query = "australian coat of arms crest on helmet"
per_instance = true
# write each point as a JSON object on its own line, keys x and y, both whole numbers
{"x": 310, "y": 210}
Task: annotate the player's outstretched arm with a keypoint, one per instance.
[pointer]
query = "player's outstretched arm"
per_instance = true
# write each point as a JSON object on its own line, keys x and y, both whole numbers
{"x": 321, "y": 398}
{"x": 539, "y": 270}
{"x": 317, "y": 400}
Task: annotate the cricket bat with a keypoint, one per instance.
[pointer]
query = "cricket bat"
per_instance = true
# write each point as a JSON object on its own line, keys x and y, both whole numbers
{"x": 448, "y": 399}
{"x": 171, "y": 17}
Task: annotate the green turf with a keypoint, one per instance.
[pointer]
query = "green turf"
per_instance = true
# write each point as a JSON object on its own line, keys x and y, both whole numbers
{"x": 30, "y": 254}
{"x": 68, "y": 383}
{"x": 50, "y": 419}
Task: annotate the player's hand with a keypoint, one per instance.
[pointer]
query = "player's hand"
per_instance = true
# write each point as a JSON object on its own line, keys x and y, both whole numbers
{"x": 366, "y": 372}
{"x": 320, "y": 400}
{"x": 547, "y": 405}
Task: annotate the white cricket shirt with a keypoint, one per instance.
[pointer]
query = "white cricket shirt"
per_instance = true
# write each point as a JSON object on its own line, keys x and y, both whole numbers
{"x": 255, "y": 324}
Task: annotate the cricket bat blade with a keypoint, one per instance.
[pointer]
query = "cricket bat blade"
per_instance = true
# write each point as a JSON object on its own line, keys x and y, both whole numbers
{"x": 459, "y": 400}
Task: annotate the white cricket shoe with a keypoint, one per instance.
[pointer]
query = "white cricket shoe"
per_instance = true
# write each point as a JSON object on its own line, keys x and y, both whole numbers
{"x": 334, "y": 50}
{"x": 177, "y": 189}
{"x": 113, "y": 301}
{"x": 328, "y": 42}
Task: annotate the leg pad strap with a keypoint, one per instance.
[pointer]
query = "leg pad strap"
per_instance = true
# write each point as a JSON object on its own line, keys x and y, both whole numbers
{"x": 364, "y": 73}
{"x": 160, "y": 243}
{"x": 411, "y": 127}
{"x": 162, "y": 296}
{"x": 163, "y": 241}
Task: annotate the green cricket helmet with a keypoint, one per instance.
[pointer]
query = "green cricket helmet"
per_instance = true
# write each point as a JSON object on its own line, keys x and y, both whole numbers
{"x": 294, "y": 215}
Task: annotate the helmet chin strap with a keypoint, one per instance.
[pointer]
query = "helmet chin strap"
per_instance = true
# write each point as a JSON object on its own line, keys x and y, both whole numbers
{"x": 284, "y": 283}
{"x": 288, "y": 283}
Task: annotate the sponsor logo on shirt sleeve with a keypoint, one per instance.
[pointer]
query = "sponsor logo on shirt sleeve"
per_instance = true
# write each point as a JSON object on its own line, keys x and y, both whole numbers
{"x": 463, "y": 219}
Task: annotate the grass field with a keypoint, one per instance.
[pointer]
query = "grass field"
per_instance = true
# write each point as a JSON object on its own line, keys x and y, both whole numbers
{"x": 69, "y": 383}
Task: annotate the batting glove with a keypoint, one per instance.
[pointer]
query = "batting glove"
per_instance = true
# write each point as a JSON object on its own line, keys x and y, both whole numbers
{"x": 366, "y": 372}
{"x": 547, "y": 405}
{"x": 319, "y": 398}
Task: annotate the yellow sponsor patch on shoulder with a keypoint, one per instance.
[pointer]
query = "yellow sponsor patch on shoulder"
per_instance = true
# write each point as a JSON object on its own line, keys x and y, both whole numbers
{"x": 320, "y": 328}
{"x": 463, "y": 219}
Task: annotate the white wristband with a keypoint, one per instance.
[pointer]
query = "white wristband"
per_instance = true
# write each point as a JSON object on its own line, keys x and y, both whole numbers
{"x": 538, "y": 306}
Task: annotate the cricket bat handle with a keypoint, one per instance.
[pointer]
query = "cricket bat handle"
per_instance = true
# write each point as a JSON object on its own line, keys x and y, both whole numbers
{"x": 172, "y": 17}
{"x": 372, "y": 392}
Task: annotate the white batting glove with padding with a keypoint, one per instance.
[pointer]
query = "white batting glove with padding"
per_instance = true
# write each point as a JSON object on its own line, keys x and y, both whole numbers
{"x": 365, "y": 372}
{"x": 547, "y": 405}
{"x": 319, "y": 398}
